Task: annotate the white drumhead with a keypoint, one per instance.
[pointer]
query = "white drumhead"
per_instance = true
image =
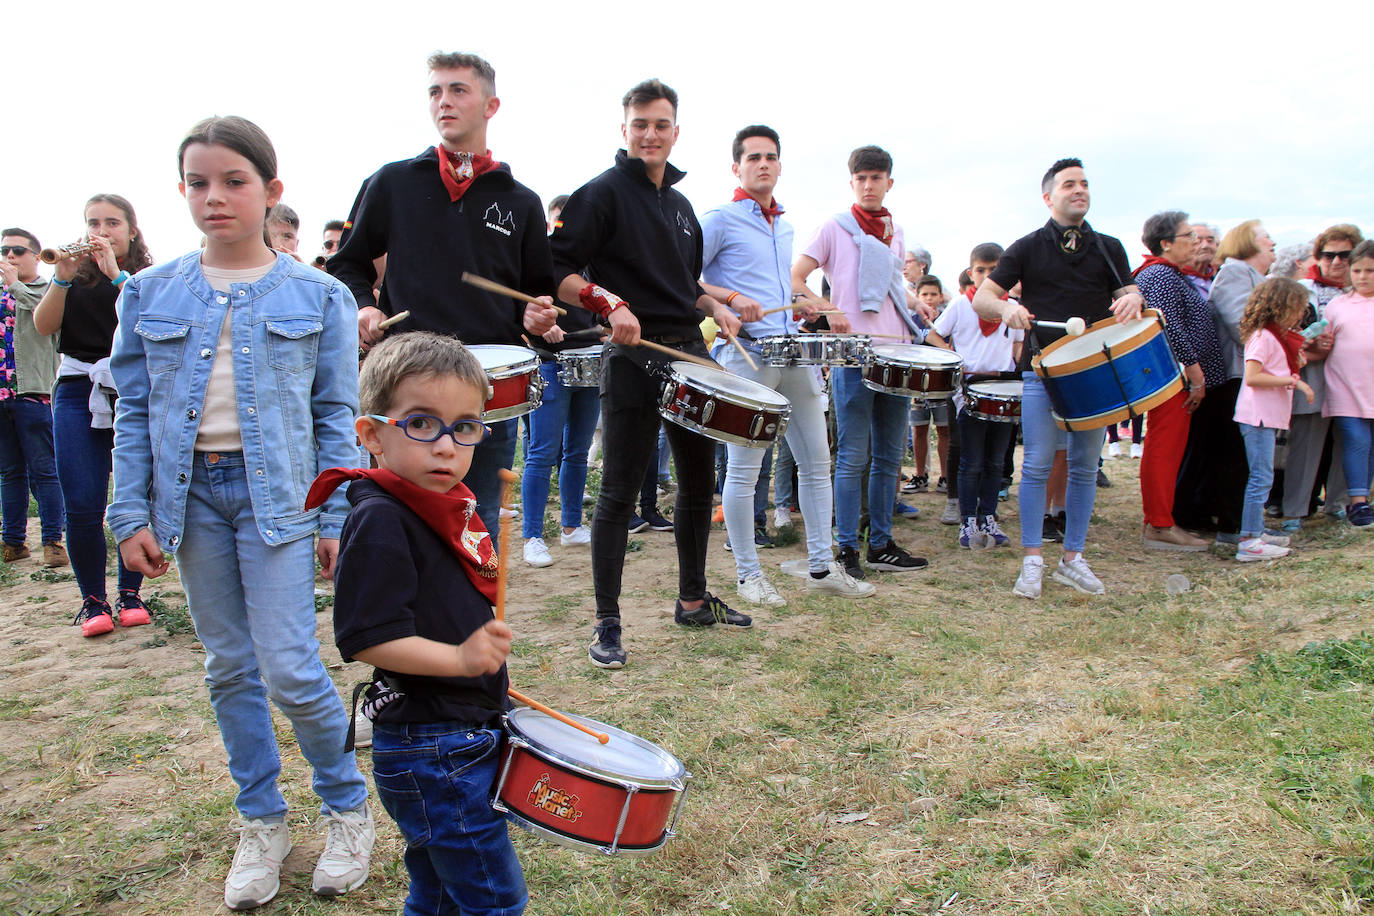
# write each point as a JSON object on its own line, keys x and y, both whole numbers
{"x": 726, "y": 382}
{"x": 625, "y": 754}
{"x": 593, "y": 352}
{"x": 916, "y": 355}
{"x": 499, "y": 356}
{"x": 1007, "y": 389}
{"x": 1075, "y": 348}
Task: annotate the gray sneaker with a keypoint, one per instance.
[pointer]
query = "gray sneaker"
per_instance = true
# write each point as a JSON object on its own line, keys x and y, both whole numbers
{"x": 1076, "y": 574}
{"x": 255, "y": 875}
{"x": 951, "y": 514}
{"x": 347, "y": 852}
{"x": 840, "y": 583}
{"x": 1028, "y": 583}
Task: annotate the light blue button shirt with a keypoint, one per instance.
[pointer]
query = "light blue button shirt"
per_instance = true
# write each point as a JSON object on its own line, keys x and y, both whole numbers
{"x": 742, "y": 251}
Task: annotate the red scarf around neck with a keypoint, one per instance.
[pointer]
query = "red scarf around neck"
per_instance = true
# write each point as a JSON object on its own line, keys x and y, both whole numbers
{"x": 452, "y": 168}
{"x": 451, "y": 515}
{"x": 770, "y": 212}
{"x": 987, "y": 327}
{"x": 1153, "y": 259}
{"x": 877, "y": 223}
{"x": 1315, "y": 273}
{"x": 1292, "y": 342}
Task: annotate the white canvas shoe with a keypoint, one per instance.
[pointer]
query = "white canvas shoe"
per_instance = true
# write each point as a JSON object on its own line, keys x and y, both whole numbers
{"x": 758, "y": 590}
{"x": 840, "y": 583}
{"x": 578, "y": 537}
{"x": 536, "y": 553}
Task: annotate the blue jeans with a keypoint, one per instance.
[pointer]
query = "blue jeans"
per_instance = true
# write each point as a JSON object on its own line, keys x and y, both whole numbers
{"x": 1259, "y": 452}
{"x": 83, "y": 468}
{"x": 484, "y": 476}
{"x": 1041, "y": 438}
{"x": 26, "y": 461}
{"x": 1357, "y": 453}
{"x": 254, "y": 610}
{"x": 982, "y": 449}
{"x": 435, "y": 780}
{"x": 563, "y": 424}
{"x": 863, "y": 417}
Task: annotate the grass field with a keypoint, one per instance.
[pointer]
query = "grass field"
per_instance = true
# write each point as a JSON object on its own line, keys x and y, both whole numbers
{"x": 944, "y": 747}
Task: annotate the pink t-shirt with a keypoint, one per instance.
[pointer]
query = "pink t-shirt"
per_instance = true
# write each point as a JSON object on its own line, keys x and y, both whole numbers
{"x": 1267, "y": 407}
{"x": 1350, "y": 367}
{"x": 833, "y": 248}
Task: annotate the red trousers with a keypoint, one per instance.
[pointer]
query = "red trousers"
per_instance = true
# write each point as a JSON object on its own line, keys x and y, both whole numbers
{"x": 1166, "y": 436}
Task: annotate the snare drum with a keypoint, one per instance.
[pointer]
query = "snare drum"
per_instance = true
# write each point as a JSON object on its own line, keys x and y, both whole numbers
{"x": 816, "y": 350}
{"x": 914, "y": 371}
{"x": 1110, "y": 373}
{"x": 722, "y": 406}
{"x": 994, "y": 400}
{"x": 581, "y": 368}
{"x": 621, "y": 798}
{"x": 516, "y": 385}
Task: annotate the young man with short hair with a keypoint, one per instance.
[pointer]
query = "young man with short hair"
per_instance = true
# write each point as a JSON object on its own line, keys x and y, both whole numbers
{"x": 329, "y": 242}
{"x": 450, "y": 210}
{"x": 29, "y": 367}
{"x": 639, "y": 243}
{"x": 1066, "y": 270}
{"x": 861, "y": 252}
{"x": 747, "y": 258}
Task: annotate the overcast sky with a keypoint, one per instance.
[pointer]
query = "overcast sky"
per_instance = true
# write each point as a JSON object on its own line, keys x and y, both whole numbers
{"x": 1212, "y": 108}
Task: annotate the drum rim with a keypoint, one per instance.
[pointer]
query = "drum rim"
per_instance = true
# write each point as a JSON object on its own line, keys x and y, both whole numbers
{"x": 597, "y": 351}
{"x": 975, "y": 387}
{"x": 677, "y": 374}
{"x": 530, "y": 362}
{"x": 946, "y": 360}
{"x": 1153, "y": 327}
{"x": 1123, "y": 413}
{"x": 563, "y": 839}
{"x": 673, "y": 782}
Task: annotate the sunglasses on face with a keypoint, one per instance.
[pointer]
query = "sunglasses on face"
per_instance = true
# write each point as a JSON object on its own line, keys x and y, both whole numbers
{"x": 17, "y": 250}
{"x": 329, "y": 244}
{"x": 1334, "y": 256}
{"x": 423, "y": 427}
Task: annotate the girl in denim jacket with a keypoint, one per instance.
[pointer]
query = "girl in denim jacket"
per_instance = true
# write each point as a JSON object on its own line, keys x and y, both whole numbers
{"x": 237, "y": 376}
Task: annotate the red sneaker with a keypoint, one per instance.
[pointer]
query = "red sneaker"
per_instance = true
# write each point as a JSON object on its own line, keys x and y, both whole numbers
{"x": 132, "y": 611}
{"x": 95, "y": 617}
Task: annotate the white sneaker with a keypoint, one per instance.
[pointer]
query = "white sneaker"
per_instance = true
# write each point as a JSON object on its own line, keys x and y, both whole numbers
{"x": 1258, "y": 549}
{"x": 1137, "y": 449}
{"x": 255, "y": 875}
{"x": 581, "y": 535}
{"x": 758, "y": 590}
{"x": 801, "y": 567}
{"x": 840, "y": 583}
{"x": 1076, "y": 574}
{"x": 951, "y": 514}
{"x": 510, "y": 512}
{"x": 362, "y": 730}
{"x": 782, "y": 516}
{"x": 347, "y": 852}
{"x": 536, "y": 553}
{"x": 1028, "y": 583}
{"x": 1113, "y": 449}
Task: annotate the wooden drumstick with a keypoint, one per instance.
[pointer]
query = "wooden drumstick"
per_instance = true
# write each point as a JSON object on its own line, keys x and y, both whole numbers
{"x": 394, "y": 319}
{"x": 676, "y": 354}
{"x": 742, "y": 352}
{"x": 519, "y": 697}
{"x": 493, "y": 286}
{"x": 508, "y": 477}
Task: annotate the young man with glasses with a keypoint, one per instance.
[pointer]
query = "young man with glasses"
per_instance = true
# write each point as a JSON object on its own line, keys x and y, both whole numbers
{"x": 450, "y": 210}
{"x": 26, "y": 378}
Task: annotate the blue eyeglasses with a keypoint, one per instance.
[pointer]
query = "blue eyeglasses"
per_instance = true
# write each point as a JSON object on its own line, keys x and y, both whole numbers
{"x": 423, "y": 427}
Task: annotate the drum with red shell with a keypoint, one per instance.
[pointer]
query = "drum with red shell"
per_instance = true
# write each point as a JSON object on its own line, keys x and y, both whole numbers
{"x": 516, "y": 385}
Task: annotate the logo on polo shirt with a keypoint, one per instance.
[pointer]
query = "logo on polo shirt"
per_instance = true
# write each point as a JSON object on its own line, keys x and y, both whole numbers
{"x": 683, "y": 224}
{"x": 503, "y": 223}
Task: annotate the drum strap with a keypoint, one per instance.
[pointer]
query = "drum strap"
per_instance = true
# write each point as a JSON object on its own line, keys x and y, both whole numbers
{"x": 1111, "y": 363}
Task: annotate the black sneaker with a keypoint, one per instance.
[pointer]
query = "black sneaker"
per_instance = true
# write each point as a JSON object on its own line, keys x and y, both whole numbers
{"x": 919, "y": 483}
{"x": 605, "y": 650}
{"x": 761, "y": 538}
{"x": 712, "y": 611}
{"x": 1103, "y": 481}
{"x": 1049, "y": 531}
{"x": 638, "y": 524}
{"x": 942, "y": 486}
{"x": 657, "y": 522}
{"x": 894, "y": 559}
{"x": 849, "y": 559}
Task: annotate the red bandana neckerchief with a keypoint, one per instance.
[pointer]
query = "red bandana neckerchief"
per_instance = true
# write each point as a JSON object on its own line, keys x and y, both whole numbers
{"x": 1314, "y": 273}
{"x": 451, "y": 515}
{"x": 459, "y": 169}
{"x": 987, "y": 327}
{"x": 1292, "y": 342}
{"x": 1153, "y": 259}
{"x": 877, "y": 223}
{"x": 770, "y": 212}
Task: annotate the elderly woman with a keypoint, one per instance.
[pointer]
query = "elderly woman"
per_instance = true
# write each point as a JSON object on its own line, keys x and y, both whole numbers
{"x": 1192, "y": 336}
{"x": 1211, "y": 480}
{"x": 1310, "y": 446}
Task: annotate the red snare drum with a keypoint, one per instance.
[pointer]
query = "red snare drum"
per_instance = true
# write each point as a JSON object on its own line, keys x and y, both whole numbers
{"x": 914, "y": 371}
{"x": 516, "y": 385}
{"x": 723, "y": 406}
{"x": 621, "y": 798}
{"x": 994, "y": 400}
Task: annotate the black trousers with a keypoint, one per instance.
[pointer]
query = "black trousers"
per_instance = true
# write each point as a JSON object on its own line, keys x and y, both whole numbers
{"x": 1211, "y": 479}
{"x": 631, "y": 383}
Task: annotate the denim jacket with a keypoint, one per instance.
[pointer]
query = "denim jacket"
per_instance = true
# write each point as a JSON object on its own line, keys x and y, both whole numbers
{"x": 295, "y": 339}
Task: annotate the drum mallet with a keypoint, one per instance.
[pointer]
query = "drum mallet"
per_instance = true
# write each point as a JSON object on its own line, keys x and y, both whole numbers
{"x": 1073, "y": 327}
